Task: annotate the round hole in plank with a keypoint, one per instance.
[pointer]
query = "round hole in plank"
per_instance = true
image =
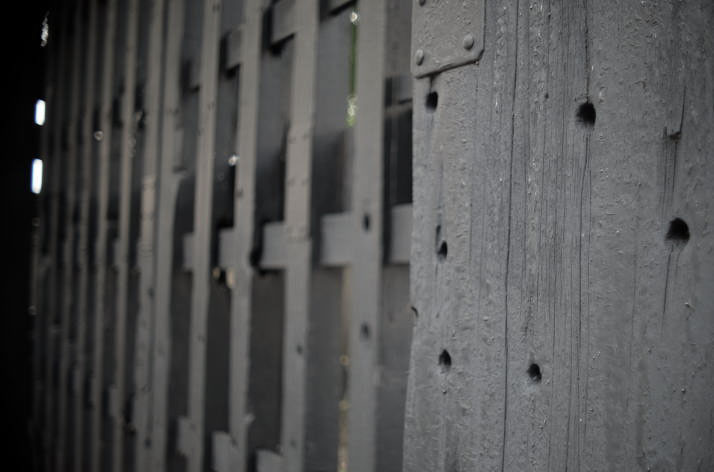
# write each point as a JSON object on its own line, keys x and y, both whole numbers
{"x": 534, "y": 373}
{"x": 364, "y": 331}
{"x": 445, "y": 360}
{"x": 586, "y": 114}
{"x": 442, "y": 251}
{"x": 366, "y": 221}
{"x": 432, "y": 100}
{"x": 678, "y": 231}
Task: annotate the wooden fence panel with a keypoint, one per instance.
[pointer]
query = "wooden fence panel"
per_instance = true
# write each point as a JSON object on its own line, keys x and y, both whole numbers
{"x": 236, "y": 214}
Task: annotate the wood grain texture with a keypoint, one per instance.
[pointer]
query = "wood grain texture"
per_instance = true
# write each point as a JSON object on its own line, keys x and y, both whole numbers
{"x": 540, "y": 239}
{"x": 161, "y": 349}
{"x": 146, "y": 250}
{"x": 243, "y": 236}
{"x": 203, "y": 205}
{"x": 69, "y": 235}
{"x": 102, "y": 243}
{"x": 299, "y": 245}
{"x": 122, "y": 259}
{"x": 51, "y": 305}
{"x": 83, "y": 257}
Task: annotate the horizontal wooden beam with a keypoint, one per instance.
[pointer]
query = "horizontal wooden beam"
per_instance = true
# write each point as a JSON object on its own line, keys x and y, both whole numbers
{"x": 232, "y": 48}
{"x": 282, "y": 21}
{"x": 337, "y": 242}
{"x": 226, "y": 248}
{"x": 268, "y": 461}
{"x": 273, "y": 256}
{"x": 225, "y": 453}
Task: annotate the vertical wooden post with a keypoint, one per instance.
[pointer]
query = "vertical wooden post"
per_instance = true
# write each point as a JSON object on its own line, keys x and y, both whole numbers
{"x": 83, "y": 246}
{"x": 561, "y": 261}
{"x": 101, "y": 245}
{"x": 244, "y": 216}
{"x": 168, "y": 186}
{"x": 56, "y": 121}
{"x": 298, "y": 230}
{"x": 202, "y": 232}
{"x": 367, "y": 211}
{"x": 68, "y": 255}
{"x": 127, "y": 151}
{"x": 147, "y": 238}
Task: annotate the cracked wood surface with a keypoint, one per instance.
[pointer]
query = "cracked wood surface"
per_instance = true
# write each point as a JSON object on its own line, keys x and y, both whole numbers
{"x": 555, "y": 244}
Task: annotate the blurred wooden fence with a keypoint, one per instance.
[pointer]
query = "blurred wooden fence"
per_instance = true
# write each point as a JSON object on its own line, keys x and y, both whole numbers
{"x": 221, "y": 270}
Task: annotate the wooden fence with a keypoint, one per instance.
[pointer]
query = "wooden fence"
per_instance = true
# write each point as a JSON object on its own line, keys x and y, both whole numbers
{"x": 221, "y": 270}
{"x": 227, "y": 277}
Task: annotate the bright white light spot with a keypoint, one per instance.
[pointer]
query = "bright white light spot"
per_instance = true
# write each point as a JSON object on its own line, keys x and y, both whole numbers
{"x": 45, "y": 33}
{"x": 354, "y": 17}
{"x": 40, "y": 112}
{"x": 233, "y": 160}
{"x": 36, "y": 184}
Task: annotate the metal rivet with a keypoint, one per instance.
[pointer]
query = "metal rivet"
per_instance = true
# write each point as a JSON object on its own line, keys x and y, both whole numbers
{"x": 419, "y": 56}
{"x": 468, "y": 41}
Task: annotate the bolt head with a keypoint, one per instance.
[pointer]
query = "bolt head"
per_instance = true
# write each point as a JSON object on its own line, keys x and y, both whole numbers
{"x": 468, "y": 41}
{"x": 419, "y": 56}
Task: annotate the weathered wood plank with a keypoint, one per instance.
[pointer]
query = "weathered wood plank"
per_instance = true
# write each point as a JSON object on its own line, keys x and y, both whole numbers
{"x": 101, "y": 246}
{"x": 542, "y": 261}
{"x": 299, "y": 245}
{"x": 147, "y": 239}
{"x": 68, "y": 307}
{"x": 236, "y": 454}
{"x": 168, "y": 188}
{"x": 83, "y": 244}
{"x": 58, "y": 110}
{"x": 122, "y": 262}
{"x": 203, "y": 202}
{"x": 366, "y": 264}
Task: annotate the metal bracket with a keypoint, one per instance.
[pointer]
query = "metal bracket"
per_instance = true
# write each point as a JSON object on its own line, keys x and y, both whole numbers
{"x": 446, "y": 34}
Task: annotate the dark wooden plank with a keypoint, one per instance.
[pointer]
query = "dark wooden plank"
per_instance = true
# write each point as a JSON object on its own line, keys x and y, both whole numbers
{"x": 122, "y": 260}
{"x": 85, "y": 177}
{"x": 70, "y": 161}
{"x": 283, "y": 23}
{"x": 101, "y": 246}
{"x": 161, "y": 350}
{"x": 58, "y": 109}
{"x": 203, "y": 204}
{"x": 400, "y": 234}
{"x": 147, "y": 240}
